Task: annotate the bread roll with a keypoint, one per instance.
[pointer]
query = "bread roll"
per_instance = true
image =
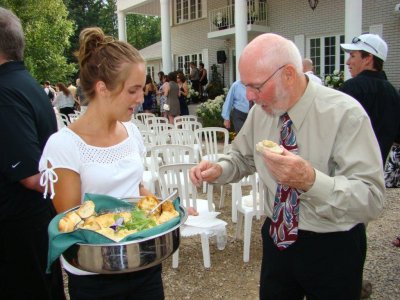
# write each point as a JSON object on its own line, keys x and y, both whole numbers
{"x": 66, "y": 225}
{"x": 148, "y": 203}
{"x": 86, "y": 210}
{"x": 270, "y": 145}
{"x": 69, "y": 222}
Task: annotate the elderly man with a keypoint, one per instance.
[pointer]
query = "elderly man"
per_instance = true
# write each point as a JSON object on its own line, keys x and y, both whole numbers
{"x": 308, "y": 69}
{"x": 322, "y": 188}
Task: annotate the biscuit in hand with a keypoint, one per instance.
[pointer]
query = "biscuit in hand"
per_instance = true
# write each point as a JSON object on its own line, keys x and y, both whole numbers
{"x": 270, "y": 145}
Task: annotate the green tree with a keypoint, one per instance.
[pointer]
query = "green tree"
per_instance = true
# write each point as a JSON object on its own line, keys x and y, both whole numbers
{"x": 89, "y": 13}
{"x": 47, "y": 31}
{"x": 143, "y": 31}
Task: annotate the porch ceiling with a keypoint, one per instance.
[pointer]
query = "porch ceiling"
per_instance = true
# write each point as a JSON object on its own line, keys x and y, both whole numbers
{"x": 141, "y": 7}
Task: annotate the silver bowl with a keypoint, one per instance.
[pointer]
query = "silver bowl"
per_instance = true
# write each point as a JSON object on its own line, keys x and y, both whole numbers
{"x": 125, "y": 257}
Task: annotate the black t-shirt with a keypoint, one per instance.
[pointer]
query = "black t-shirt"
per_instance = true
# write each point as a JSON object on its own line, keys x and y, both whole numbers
{"x": 26, "y": 122}
{"x": 381, "y": 102}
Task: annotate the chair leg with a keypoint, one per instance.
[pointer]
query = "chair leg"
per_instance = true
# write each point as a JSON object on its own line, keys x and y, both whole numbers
{"x": 222, "y": 199}
{"x": 204, "y": 187}
{"x": 210, "y": 197}
{"x": 246, "y": 237}
{"x": 239, "y": 225}
{"x": 206, "y": 249}
{"x": 175, "y": 259}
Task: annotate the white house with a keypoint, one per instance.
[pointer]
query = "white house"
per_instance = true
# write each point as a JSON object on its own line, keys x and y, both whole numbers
{"x": 209, "y": 31}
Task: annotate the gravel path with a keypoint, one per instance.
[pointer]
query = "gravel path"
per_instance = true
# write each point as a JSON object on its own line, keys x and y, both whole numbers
{"x": 230, "y": 278}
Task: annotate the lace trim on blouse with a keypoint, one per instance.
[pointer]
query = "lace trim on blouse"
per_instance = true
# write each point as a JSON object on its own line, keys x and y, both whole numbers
{"x": 89, "y": 154}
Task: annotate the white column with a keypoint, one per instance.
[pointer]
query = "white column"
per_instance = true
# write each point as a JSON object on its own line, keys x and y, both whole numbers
{"x": 352, "y": 24}
{"x": 121, "y": 26}
{"x": 240, "y": 31}
{"x": 166, "y": 36}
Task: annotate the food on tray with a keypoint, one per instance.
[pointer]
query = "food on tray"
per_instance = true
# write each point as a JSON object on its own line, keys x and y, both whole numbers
{"x": 270, "y": 145}
{"x": 118, "y": 225}
{"x": 147, "y": 204}
{"x": 69, "y": 222}
{"x": 86, "y": 209}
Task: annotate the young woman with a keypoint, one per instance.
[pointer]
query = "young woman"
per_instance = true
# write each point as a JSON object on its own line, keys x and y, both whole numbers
{"x": 172, "y": 93}
{"x": 183, "y": 92}
{"x": 64, "y": 100}
{"x": 102, "y": 142}
{"x": 150, "y": 90}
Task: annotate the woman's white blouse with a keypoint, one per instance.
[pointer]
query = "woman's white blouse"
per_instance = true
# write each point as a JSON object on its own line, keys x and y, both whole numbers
{"x": 115, "y": 171}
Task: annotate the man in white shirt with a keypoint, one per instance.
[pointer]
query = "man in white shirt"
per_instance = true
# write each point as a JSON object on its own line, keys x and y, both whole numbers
{"x": 308, "y": 69}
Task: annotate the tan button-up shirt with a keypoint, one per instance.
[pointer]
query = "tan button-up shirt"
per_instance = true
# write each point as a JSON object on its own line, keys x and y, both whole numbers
{"x": 334, "y": 134}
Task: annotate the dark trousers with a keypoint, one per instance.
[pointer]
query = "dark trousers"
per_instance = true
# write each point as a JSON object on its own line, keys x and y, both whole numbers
{"x": 318, "y": 266}
{"x": 66, "y": 111}
{"x": 141, "y": 285}
{"x": 238, "y": 119}
{"x": 23, "y": 260}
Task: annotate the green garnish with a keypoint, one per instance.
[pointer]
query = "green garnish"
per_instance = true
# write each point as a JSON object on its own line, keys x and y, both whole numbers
{"x": 139, "y": 221}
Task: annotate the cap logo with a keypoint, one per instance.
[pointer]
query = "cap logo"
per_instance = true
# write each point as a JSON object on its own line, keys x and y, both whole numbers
{"x": 357, "y": 40}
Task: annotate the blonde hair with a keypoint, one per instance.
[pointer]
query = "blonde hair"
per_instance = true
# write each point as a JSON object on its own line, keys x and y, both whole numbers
{"x": 102, "y": 58}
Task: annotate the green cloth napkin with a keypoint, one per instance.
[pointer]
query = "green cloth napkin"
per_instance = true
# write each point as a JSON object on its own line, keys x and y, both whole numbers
{"x": 60, "y": 241}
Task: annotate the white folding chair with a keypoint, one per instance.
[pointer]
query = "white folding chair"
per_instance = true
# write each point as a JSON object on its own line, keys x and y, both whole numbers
{"x": 62, "y": 120}
{"x": 169, "y": 154}
{"x": 155, "y": 120}
{"x": 189, "y": 125}
{"x": 179, "y": 119}
{"x": 248, "y": 207}
{"x": 144, "y": 116}
{"x": 176, "y": 177}
{"x": 159, "y": 128}
{"x": 185, "y": 137}
{"x": 211, "y": 149}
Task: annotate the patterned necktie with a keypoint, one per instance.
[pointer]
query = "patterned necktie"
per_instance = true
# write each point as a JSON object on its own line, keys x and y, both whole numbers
{"x": 285, "y": 214}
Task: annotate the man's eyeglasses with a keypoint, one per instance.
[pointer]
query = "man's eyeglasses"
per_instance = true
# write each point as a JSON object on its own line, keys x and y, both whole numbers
{"x": 356, "y": 40}
{"x": 258, "y": 89}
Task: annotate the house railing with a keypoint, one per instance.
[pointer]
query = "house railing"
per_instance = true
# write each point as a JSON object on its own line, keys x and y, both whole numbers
{"x": 224, "y": 17}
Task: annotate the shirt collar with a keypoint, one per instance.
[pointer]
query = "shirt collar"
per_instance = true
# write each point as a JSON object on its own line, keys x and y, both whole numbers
{"x": 299, "y": 111}
{"x": 11, "y": 66}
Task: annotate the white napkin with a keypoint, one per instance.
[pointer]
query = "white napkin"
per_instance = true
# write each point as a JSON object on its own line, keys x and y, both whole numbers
{"x": 204, "y": 220}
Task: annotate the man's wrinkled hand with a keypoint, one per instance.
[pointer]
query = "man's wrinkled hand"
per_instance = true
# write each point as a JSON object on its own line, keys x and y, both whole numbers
{"x": 205, "y": 171}
{"x": 290, "y": 169}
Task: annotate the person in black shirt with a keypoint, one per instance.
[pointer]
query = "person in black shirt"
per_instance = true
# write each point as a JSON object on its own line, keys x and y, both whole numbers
{"x": 27, "y": 120}
{"x": 371, "y": 88}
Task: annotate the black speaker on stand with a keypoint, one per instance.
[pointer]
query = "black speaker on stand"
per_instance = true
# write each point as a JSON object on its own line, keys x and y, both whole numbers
{"x": 221, "y": 59}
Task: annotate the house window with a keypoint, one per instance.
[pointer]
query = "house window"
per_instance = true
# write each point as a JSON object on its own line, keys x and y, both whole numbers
{"x": 150, "y": 71}
{"x": 183, "y": 62}
{"x": 186, "y": 10}
{"x": 326, "y": 54}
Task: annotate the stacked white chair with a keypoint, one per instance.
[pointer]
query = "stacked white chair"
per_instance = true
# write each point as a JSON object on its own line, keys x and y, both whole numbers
{"x": 142, "y": 117}
{"x": 62, "y": 120}
{"x": 176, "y": 177}
{"x": 248, "y": 207}
{"x": 185, "y": 137}
{"x": 211, "y": 150}
{"x": 179, "y": 119}
{"x": 189, "y": 125}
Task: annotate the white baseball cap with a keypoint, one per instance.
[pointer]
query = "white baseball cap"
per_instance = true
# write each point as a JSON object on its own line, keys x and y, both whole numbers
{"x": 371, "y": 43}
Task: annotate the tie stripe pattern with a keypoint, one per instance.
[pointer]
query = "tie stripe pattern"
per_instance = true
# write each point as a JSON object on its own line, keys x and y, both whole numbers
{"x": 285, "y": 214}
